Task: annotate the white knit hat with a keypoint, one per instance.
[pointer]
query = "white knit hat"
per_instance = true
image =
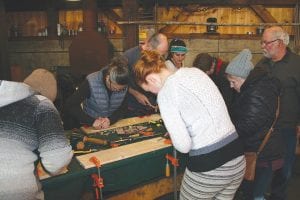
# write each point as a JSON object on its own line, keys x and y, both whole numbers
{"x": 44, "y": 82}
{"x": 241, "y": 65}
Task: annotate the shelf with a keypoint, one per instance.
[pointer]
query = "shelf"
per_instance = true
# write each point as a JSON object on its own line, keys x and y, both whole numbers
{"x": 42, "y": 38}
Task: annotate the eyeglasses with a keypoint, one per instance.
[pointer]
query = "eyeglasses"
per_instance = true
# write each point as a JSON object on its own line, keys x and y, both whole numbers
{"x": 267, "y": 43}
{"x": 115, "y": 87}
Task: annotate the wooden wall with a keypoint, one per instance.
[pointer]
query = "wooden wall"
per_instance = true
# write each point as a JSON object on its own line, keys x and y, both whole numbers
{"x": 27, "y": 23}
{"x": 31, "y": 52}
{"x": 31, "y": 23}
{"x": 243, "y": 15}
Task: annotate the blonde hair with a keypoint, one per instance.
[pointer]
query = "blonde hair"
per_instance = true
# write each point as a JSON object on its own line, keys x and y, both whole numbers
{"x": 150, "y": 62}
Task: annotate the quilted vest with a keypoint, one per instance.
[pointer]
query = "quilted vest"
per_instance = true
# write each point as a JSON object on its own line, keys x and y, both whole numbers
{"x": 100, "y": 104}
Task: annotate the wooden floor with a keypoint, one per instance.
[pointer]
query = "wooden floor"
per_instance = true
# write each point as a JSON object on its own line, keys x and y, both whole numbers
{"x": 293, "y": 188}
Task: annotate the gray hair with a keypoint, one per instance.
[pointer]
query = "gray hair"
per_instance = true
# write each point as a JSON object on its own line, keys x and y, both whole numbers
{"x": 279, "y": 33}
{"x": 118, "y": 70}
{"x": 155, "y": 40}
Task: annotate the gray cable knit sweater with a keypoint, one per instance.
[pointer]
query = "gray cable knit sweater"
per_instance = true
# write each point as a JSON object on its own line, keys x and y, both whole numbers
{"x": 30, "y": 126}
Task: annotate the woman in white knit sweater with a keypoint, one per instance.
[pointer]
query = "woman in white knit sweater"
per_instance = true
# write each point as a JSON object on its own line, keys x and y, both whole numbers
{"x": 197, "y": 120}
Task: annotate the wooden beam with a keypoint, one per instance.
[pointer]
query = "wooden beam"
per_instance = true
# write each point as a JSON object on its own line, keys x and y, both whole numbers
{"x": 263, "y": 14}
{"x": 52, "y": 18}
{"x": 4, "y": 67}
{"x": 181, "y": 17}
{"x": 32, "y": 5}
{"x": 130, "y": 10}
{"x": 113, "y": 16}
{"x": 90, "y": 15}
{"x": 281, "y": 3}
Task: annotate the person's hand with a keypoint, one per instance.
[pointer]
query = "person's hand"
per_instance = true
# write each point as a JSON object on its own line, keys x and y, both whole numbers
{"x": 155, "y": 108}
{"x": 142, "y": 99}
{"x": 101, "y": 123}
{"x": 105, "y": 122}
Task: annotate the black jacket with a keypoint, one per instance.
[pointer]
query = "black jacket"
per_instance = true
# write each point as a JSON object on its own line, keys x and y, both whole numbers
{"x": 253, "y": 113}
{"x": 287, "y": 70}
{"x": 219, "y": 78}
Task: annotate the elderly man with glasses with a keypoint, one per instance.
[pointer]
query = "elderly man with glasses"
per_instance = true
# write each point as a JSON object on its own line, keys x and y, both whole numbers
{"x": 283, "y": 64}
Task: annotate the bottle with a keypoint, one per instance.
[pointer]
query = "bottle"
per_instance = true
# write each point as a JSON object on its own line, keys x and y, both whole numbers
{"x": 99, "y": 27}
{"x": 80, "y": 27}
{"x": 58, "y": 29}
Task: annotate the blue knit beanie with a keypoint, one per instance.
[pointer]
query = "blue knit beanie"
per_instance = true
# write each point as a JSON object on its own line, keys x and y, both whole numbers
{"x": 241, "y": 65}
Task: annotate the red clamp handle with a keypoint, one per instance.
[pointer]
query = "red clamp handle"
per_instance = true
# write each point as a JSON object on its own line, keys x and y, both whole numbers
{"x": 95, "y": 160}
{"x": 98, "y": 181}
{"x": 173, "y": 160}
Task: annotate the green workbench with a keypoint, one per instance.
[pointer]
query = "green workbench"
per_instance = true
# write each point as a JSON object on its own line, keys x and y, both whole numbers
{"x": 118, "y": 176}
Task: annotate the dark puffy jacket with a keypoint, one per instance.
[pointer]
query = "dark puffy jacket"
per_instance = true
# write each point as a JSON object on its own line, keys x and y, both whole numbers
{"x": 253, "y": 113}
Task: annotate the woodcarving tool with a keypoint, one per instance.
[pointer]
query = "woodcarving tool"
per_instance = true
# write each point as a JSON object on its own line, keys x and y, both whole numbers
{"x": 79, "y": 140}
{"x": 129, "y": 139}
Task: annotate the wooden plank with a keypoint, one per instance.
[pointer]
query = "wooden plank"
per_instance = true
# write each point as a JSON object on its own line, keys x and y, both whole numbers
{"x": 152, "y": 190}
{"x": 123, "y": 152}
{"x": 124, "y": 122}
{"x": 182, "y": 16}
{"x": 263, "y": 14}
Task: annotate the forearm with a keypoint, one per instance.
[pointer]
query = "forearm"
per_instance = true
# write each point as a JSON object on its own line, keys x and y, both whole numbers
{"x": 133, "y": 91}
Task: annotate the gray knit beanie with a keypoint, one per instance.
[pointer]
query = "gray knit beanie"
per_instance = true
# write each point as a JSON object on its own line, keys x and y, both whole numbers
{"x": 241, "y": 65}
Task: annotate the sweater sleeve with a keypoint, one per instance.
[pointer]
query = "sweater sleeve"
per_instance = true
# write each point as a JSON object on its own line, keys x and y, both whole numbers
{"x": 73, "y": 106}
{"x": 168, "y": 105}
{"x": 54, "y": 148}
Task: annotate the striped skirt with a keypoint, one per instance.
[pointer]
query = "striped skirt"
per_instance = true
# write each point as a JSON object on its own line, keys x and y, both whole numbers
{"x": 220, "y": 183}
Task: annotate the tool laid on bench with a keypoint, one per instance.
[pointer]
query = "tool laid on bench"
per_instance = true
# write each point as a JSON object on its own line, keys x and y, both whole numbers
{"x": 78, "y": 140}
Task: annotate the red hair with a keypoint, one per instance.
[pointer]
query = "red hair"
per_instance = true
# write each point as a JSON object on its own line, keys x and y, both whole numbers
{"x": 150, "y": 62}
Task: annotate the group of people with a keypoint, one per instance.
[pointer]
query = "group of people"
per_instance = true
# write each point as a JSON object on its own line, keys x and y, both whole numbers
{"x": 216, "y": 125}
{"x": 214, "y": 111}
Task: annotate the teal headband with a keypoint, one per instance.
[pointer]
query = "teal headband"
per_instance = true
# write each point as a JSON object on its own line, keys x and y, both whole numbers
{"x": 178, "y": 49}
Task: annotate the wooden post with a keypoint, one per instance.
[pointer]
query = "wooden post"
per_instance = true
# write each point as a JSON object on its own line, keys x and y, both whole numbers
{"x": 130, "y": 11}
{"x": 52, "y": 18}
{"x": 90, "y": 15}
{"x": 4, "y": 66}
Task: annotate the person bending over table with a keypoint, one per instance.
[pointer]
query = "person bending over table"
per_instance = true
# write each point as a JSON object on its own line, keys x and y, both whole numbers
{"x": 30, "y": 130}
{"x": 197, "y": 120}
{"x": 253, "y": 112}
{"x": 101, "y": 98}
{"x": 140, "y": 102}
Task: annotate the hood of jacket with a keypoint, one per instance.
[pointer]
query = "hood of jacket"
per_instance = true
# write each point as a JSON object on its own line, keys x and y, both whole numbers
{"x": 11, "y": 92}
